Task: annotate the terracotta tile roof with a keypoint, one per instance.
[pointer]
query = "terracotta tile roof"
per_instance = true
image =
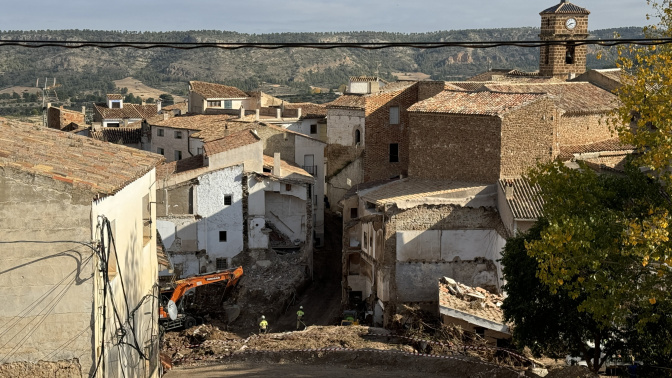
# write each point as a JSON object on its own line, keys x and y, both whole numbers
{"x": 308, "y": 109}
{"x": 164, "y": 170}
{"x": 115, "y": 96}
{"x": 182, "y": 106}
{"x": 229, "y": 142}
{"x": 565, "y": 7}
{"x": 452, "y": 87}
{"x": 119, "y": 135}
{"x": 572, "y": 97}
{"x": 286, "y": 167}
{"x": 393, "y": 87}
{"x": 348, "y": 102}
{"x": 212, "y": 90}
{"x": 412, "y": 190}
{"x": 477, "y": 103}
{"x": 525, "y": 203}
{"x": 100, "y": 167}
{"x": 194, "y": 121}
{"x": 129, "y": 111}
{"x": 363, "y": 79}
{"x": 473, "y": 301}
{"x": 470, "y": 85}
{"x": 609, "y": 145}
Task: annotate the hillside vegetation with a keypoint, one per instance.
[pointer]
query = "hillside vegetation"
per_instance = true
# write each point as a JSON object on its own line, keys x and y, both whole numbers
{"x": 87, "y": 73}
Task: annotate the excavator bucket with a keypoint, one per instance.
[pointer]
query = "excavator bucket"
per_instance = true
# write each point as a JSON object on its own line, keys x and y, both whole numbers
{"x": 232, "y": 312}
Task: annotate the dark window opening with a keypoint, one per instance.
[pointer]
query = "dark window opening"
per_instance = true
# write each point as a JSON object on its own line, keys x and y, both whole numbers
{"x": 178, "y": 135}
{"x": 222, "y": 236}
{"x": 191, "y": 200}
{"x": 115, "y": 124}
{"x": 313, "y": 129}
{"x": 288, "y": 188}
{"x": 159, "y": 132}
{"x": 547, "y": 54}
{"x": 394, "y": 152}
{"x": 227, "y": 200}
{"x": 221, "y": 264}
{"x": 353, "y": 212}
{"x": 116, "y": 104}
{"x": 480, "y": 331}
{"x": 569, "y": 54}
{"x": 358, "y": 136}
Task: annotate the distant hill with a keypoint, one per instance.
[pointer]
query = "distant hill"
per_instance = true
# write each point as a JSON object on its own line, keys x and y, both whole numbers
{"x": 88, "y": 73}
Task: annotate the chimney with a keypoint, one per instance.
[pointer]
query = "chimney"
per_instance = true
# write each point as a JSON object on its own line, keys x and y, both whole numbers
{"x": 48, "y": 105}
{"x": 158, "y": 106}
{"x": 242, "y": 112}
{"x": 166, "y": 116}
{"x": 256, "y": 114}
{"x": 508, "y": 189}
{"x": 83, "y": 109}
{"x": 278, "y": 113}
{"x": 143, "y": 103}
{"x": 298, "y": 115}
{"x": 277, "y": 171}
{"x": 125, "y": 122}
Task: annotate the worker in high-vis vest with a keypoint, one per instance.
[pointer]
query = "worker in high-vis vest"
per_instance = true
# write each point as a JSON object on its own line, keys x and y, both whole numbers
{"x": 299, "y": 317}
{"x": 263, "y": 326}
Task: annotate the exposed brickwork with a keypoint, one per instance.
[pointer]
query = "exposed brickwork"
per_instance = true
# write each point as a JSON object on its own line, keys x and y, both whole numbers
{"x": 455, "y": 147}
{"x": 552, "y": 58}
{"x": 340, "y": 156}
{"x": 58, "y": 118}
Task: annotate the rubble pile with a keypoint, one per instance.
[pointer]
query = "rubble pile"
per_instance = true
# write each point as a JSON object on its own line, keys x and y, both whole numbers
{"x": 475, "y": 300}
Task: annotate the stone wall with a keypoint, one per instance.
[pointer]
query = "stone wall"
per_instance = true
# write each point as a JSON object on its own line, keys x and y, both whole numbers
{"x": 454, "y": 147}
{"x": 277, "y": 141}
{"x": 552, "y": 58}
{"x": 46, "y": 288}
{"x": 527, "y": 137}
{"x": 58, "y": 118}
{"x": 583, "y": 129}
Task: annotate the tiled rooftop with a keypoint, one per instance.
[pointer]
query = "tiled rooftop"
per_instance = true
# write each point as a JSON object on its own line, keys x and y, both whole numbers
{"x": 212, "y": 90}
{"x": 609, "y": 145}
{"x": 363, "y": 78}
{"x": 308, "y": 109}
{"x": 477, "y": 103}
{"x": 572, "y": 97}
{"x": 565, "y": 7}
{"x": 525, "y": 202}
{"x": 349, "y": 101}
{"x": 229, "y": 142}
{"x": 473, "y": 301}
{"x": 129, "y": 111}
{"x": 165, "y": 170}
{"x": 611, "y": 73}
{"x": 100, "y": 167}
{"x": 411, "y": 189}
{"x": 286, "y": 167}
{"x": 195, "y": 121}
{"x": 115, "y": 96}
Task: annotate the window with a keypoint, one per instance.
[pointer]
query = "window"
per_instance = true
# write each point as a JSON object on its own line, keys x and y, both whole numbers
{"x": 115, "y": 124}
{"x": 160, "y": 150}
{"x": 116, "y": 104}
{"x": 214, "y": 104}
{"x": 199, "y": 150}
{"x": 178, "y": 135}
{"x": 394, "y": 152}
{"x": 228, "y": 104}
{"x": 159, "y": 132}
{"x": 394, "y": 115}
{"x": 221, "y": 264}
{"x": 547, "y": 54}
{"x": 366, "y": 241}
{"x": 358, "y": 136}
{"x": 313, "y": 129}
{"x": 569, "y": 53}
{"x": 222, "y": 236}
{"x": 227, "y": 200}
{"x": 288, "y": 187}
{"x": 178, "y": 155}
{"x": 353, "y": 213}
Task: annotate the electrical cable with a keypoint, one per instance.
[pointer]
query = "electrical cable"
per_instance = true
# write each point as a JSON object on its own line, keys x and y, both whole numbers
{"x": 330, "y": 45}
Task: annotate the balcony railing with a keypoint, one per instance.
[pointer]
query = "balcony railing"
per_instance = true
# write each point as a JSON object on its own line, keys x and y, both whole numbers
{"x": 312, "y": 169}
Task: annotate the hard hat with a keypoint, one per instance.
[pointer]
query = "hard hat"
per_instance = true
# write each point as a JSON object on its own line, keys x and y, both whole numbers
{"x": 263, "y": 317}
{"x": 301, "y": 307}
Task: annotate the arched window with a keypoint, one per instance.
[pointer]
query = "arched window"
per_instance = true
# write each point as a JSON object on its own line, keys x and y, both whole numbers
{"x": 358, "y": 137}
{"x": 569, "y": 54}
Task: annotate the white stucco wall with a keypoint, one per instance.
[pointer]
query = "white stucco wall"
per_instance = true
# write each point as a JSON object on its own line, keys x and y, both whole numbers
{"x": 341, "y": 125}
{"x": 250, "y": 155}
{"x": 169, "y": 143}
{"x": 179, "y": 233}
{"x": 287, "y": 212}
{"x": 139, "y": 269}
{"x": 446, "y": 245}
{"x": 303, "y": 147}
{"x": 216, "y": 216}
{"x": 358, "y": 87}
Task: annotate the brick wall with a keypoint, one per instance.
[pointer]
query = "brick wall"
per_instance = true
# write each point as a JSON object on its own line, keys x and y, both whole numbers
{"x": 380, "y": 134}
{"x": 58, "y": 118}
{"x": 454, "y": 147}
{"x": 583, "y": 129}
{"x": 527, "y": 137}
{"x": 552, "y": 58}
{"x": 277, "y": 141}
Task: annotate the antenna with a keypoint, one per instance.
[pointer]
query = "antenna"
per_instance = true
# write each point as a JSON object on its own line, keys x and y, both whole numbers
{"x": 48, "y": 95}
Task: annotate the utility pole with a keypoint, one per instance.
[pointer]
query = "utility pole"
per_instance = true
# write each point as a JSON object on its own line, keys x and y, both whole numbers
{"x": 48, "y": 95}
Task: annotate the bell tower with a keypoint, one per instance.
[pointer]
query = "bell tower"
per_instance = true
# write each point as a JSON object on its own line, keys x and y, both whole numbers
{"x": 564, "y": 22}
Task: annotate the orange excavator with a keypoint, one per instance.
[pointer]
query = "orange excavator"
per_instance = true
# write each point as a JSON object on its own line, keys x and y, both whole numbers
{"x": 179, "y": 307}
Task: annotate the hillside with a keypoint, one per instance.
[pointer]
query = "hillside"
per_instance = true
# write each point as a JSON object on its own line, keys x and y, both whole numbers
{"x": 92, "y": 71}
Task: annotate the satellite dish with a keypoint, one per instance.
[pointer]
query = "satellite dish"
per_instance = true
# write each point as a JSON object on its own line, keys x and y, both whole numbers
{"x": 171, "y": 308}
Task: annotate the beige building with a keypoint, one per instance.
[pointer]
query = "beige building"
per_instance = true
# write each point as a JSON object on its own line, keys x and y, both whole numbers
{"x": 116, "y": 113}
{"x": 69, "y": 207}
{"x": 204, "y": 96}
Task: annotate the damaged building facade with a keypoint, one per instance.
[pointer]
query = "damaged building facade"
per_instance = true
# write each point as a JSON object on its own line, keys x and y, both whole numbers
{"x": 233, "y": 198}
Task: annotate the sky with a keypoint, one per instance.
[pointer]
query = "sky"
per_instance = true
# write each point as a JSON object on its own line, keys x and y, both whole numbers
{"x": 276, "y": 16}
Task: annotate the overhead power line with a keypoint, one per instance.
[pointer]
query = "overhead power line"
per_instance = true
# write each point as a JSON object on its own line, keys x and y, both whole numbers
{"x": 330, "y": 45}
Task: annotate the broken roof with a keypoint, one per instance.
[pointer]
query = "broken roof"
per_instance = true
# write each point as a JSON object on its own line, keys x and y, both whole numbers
{"x": 473, "y": 305}
{"x": 103, "y": 168}
{"x": 572, "y": 97}
{"x": 476, "y": 103}
{"x": 525, "y": 202}
{"x": 212, "y": 90}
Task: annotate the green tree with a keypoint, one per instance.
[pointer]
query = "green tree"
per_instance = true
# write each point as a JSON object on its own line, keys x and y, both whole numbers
{"x": 166, "y": 99}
